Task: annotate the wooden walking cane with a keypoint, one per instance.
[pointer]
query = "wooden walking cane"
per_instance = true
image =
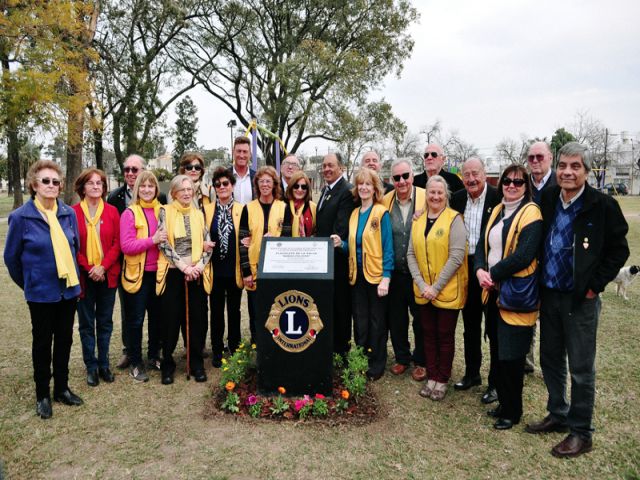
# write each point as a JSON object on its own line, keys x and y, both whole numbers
{"x": 186, "y": 304}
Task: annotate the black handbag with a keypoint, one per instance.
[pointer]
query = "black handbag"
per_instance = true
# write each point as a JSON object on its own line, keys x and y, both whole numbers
{"x": 520, "y": 294}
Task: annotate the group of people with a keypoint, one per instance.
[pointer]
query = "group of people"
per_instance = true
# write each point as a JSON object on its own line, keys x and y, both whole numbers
{"x": 542, "y": 243}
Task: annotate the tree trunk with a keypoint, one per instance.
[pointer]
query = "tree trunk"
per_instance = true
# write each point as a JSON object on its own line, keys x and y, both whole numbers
{"x": 13, "y": 147}
{"x": 75, "y": 128}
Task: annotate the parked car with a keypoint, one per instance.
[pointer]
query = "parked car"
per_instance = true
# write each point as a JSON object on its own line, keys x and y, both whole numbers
{"x": 616, "y": 189}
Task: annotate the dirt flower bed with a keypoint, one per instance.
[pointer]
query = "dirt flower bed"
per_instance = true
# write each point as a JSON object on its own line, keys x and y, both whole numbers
{"x": 352, "y": 400}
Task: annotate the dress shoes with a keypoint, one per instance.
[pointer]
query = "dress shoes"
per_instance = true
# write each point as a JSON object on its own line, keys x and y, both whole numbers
{"x": 467, "y": 382}
{"x": 419, "y": 374}
{"x": 495, "y": 412}
{"x": 92, "y": 378}
{"x": 200, "y": 376}
{"x": 68, "y": 398}
{"x": 216, "y": 361}
{"x": 43, "y": 408}
{"x": 489, "y": 396}
{"x": 503, "y": 424}
{"x": 398, "y": 369}
{"x": 374, "y": 377}
{"x": 106, "y": 375}
{"x": 546, "y": 425}
{"x": 572, "y": 446}
{"x": 167, "y": 379}
{"x": 124, "y": 362}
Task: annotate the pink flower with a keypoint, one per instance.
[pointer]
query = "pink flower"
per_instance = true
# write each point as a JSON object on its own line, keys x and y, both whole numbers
{"x": 319, "y": 396}
{"x": 251, "y": 400}
{"x": 298, "y": 405}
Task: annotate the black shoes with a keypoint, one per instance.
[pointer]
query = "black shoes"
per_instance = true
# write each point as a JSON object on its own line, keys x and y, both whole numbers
{"x": 167, "y": 378}
{"x": 43, "y": 408}
{"x": 489, "y": 396}
{"x": 106, "y": 375}
{"x": 467, "y": 382}
{"x": 68, "y": 398}
{"x": 216, "y": 361}
{"x": 503, "y": 424}
{"x": 92, "y": 378}
{"x": 200, "y": 376}
{"x": 495, "y": 412}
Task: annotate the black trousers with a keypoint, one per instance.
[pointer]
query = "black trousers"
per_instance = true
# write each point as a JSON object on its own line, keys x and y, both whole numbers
{"x": 401, "y": 302}
{"x": 341, "y": 304}
{"x": 370, "y": 325}
{"x": 173, "y": 302}
{"x": 509, "y": 387}
{"x": 491, "y": 331}
{"x": 472, "y": 318}
{"x": 51, "y": 326}
{"x": 224, "y": 291}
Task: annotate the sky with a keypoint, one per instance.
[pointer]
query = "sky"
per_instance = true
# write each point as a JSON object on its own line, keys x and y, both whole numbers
{"x": 496, "y": 69}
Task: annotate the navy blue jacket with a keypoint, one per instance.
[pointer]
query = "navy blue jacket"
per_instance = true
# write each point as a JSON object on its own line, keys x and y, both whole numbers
{"x": 28, "y": 253}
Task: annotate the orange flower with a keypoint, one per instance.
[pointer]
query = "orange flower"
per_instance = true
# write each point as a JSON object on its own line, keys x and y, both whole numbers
{"x": 345, "y": 394}
{"x": 230, "y": 386}
{"x": 282, "y": 390}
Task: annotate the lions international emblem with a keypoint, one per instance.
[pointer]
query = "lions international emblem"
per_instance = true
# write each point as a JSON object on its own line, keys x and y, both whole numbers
{"x": 440, "y": 232}
{"x": 375, "y": 224}
{"x": 294, "y": 321}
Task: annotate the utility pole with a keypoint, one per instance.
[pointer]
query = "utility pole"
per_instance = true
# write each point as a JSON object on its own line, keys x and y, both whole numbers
{"x": 604, "y": 165}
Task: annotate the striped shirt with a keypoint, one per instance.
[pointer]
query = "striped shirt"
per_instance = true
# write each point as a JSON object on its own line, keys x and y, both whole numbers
{"x": 473, "y": 219}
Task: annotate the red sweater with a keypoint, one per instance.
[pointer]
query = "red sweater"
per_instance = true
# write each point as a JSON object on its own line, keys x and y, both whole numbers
{"x": 110, "y": 240}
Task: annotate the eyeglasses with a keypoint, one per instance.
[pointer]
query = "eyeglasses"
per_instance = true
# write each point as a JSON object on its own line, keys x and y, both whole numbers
{"x": 47, "y": 181}
{"x": 538, "y": 157}
{"x": 131, "y": 169}
{"x": 433, "y": 154}
{"x": 197, "y": 167}
{"x": 265, "y": 181}
{"x": 299, "y": 186}
{"x": 185, "y": 189}
{"x": 221, "y": 183}
{"x": 518, "y": 182}
{"x": 94, "y": 184}
{"x": 290, "y": 164}
{"x": 405, "y": 175}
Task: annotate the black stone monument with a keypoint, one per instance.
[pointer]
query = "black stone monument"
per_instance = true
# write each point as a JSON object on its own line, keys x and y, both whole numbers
{"x": 294, "y": 316}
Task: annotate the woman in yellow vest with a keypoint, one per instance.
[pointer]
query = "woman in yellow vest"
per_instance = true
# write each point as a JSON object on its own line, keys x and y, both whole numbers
{"x": 301, "y": 213}
{"x": 183, "y": 279}
{"x": 437, "y": 260}
{"x": 371, "y": 262}
{"x": 262, "y": 217}
{"x": 222, "y": 218}
{"x": 506, "y": 254}
{"x": 139, "y": 239}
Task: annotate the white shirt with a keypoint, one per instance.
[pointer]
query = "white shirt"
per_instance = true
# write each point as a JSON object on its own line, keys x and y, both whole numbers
{"x": 473, "y": 219}
{"x": 327, "y": 191}
{"x": 542, "y": 182}
{"x": 242, "y": 191}
{"x": 566, "y": 205}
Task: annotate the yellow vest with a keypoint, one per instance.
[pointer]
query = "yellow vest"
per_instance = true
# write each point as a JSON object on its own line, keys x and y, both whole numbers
{"x": 236, "y": 213}
{"x": 371, "y": 245}
{"x": 431, "y": 254}
{"x": 420, "y": 199}
{"x": 163, "y": 263}
{"x": 529, "y": 213}
{"x": 133, "y": 268}
{"x": 295, "y": 221}
{"x": 256, "y": 227}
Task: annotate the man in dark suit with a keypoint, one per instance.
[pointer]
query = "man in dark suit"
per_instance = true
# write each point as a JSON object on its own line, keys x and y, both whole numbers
{"x": 539, "y": 159}
{"x": 243, "y": 190}
{"x": 334, "y": 209}
{"x": 371, "y": 160}
{"x": 121, "y": 198}
{"x": 475, "y": 203}
{"x": 434, "y": 158}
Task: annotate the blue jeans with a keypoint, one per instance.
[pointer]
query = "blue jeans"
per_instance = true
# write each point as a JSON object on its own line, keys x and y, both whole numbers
{"x": 568, "y": 333}
{"x": 135, "y": 305}
{"x": 95, "y": 323}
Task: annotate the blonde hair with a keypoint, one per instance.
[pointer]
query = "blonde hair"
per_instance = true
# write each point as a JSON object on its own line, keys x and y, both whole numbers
{"x": 177, "y": 182}
{"x": 368, "y": 175}
{"x": 441, "y": 180}
{"x": 144, "y": 176}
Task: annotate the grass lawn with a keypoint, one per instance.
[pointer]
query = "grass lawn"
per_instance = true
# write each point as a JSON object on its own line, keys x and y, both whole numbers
{"x": 127, "y": 430}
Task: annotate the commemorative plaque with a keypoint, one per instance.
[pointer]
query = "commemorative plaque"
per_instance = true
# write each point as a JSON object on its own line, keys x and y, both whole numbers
{"x": 294, "y": 324}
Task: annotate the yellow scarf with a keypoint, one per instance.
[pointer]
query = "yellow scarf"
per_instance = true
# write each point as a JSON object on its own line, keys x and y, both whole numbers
{"x": 196, "y": 222}
{"x": 155, "y": 204}
{"x": 94, "y": 247}
{"x": 61, "y": 250}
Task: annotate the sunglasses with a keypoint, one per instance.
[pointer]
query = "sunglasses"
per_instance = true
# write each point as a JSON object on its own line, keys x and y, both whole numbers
{"x": 47, "y": 181}
{"x": 518, "y": 182}
{"x": 197, "y": 168}
{"x": 131, "y": 169}
{"x": 433, "y": 154}
{"x": 302, "y": 186}
{"x": 222, "y": 183}
{"x": 405, "y": 175}
{"x": 537, "y": 157}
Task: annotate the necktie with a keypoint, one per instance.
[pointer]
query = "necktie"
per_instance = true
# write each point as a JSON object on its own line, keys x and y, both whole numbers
{"x": 325, "y": 194}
